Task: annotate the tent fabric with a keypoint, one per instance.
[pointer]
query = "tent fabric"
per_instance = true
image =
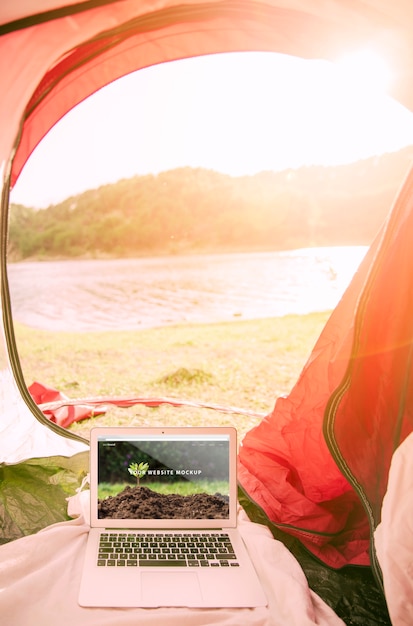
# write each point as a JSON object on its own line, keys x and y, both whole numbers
{"x": 351, "y": 591}
{"x": 64, "y": 411}
{"x": 67, "y": 59}
{"x": 40, "y": 486}
{"x": 22, "y": 436}
{"x": 371, "y": 413}
{"x": 64, "y": 416}
{"x": 329, "y": 491}
{"x": 284, "y": 463}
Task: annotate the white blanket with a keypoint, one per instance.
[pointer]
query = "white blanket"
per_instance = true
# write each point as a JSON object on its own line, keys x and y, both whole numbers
{"x": 394, "y": 536}
{"x": 40, "y": 575}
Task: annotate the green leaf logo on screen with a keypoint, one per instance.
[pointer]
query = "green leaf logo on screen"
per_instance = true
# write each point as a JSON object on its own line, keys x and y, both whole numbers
{"x": 138, "y": 470}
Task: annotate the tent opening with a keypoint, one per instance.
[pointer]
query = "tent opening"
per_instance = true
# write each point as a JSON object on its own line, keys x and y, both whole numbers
{"x": 184, "y": 233}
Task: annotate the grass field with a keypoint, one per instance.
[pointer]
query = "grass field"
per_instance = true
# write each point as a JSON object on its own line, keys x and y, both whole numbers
{"x": 183, "y": 488}
{"x": 245, "y": 364}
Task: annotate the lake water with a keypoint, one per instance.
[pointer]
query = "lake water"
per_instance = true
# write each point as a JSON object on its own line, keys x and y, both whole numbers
{"x": 126, "y": 294}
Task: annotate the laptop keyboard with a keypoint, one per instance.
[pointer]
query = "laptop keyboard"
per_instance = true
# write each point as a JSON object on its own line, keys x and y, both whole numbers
{"x": 166, "y": 550}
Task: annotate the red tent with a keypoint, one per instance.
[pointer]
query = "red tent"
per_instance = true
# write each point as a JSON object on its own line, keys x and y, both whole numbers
{"x": 318, "y": 465}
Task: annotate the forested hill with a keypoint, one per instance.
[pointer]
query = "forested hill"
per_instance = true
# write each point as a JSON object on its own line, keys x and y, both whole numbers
{"x": 190, "y": 210}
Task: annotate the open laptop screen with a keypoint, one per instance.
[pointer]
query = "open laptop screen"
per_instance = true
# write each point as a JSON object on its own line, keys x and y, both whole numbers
{"x": 163, "y": 477}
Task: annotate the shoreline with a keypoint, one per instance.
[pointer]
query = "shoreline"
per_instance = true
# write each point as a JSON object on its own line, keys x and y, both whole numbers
{"x": 184, "y": 252}
{"x": 131, "y": 294}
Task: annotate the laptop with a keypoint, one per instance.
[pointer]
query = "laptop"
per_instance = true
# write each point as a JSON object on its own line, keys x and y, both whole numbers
{"x": 163, "y": 521}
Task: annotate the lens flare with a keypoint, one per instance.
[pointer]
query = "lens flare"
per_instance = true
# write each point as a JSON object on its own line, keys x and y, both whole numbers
{"x": 367, "y": 69}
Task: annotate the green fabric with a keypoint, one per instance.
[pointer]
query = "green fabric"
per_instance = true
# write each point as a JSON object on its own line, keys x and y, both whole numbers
{"x": 33, "y": 493}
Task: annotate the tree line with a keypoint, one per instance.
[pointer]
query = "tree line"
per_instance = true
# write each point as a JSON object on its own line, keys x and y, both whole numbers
{"x": 191, "y": 210}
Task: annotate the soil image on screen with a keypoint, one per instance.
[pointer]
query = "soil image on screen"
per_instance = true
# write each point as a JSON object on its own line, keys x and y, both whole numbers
{"x": 181, "y": 480}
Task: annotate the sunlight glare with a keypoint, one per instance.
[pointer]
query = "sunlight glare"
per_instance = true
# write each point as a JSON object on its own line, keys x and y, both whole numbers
{"x": 366, "y": 69}
{"x": 235, "y": 113}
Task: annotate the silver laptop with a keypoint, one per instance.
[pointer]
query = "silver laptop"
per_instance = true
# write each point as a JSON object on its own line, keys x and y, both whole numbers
{"x": 163, "y": 521}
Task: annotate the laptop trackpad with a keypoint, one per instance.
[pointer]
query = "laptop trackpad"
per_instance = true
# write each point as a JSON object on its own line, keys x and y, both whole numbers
{"x": 171, "y": 589}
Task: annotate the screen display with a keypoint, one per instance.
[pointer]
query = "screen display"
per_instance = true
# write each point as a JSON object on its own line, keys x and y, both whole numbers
{"x": 163, "y": 478}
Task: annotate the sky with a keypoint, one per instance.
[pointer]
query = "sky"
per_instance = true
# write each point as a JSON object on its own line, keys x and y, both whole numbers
{"x": 237, "y": 113}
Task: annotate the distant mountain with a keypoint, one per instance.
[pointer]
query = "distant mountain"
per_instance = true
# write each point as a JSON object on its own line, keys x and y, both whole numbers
{"x": 190, "y": 210}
